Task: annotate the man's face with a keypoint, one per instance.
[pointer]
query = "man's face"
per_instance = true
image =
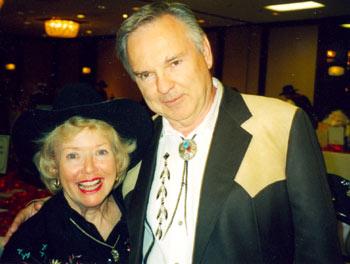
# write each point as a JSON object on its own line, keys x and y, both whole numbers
{"x": 172, "y": 74}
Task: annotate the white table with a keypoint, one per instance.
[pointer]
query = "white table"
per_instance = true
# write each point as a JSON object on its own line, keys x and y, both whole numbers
{"x": 337, "y": 163}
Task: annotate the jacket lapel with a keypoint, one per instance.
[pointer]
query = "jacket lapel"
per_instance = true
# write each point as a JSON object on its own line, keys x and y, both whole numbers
{"x": 228, "y": 147}
{"x": 140, "y": 195}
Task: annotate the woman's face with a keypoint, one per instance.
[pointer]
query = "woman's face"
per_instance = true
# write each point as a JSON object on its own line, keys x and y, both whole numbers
{"x": 87, "y": 169}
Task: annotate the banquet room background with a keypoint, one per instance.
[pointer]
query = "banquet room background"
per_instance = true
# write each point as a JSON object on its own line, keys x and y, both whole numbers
{"x": 256, "y": 51}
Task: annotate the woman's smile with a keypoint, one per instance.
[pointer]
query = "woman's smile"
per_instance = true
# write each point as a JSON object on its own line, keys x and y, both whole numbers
{"x": 90, "y": 186}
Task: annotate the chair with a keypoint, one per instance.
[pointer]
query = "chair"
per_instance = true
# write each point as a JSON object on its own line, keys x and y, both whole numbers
{"x": 340, "y": 190}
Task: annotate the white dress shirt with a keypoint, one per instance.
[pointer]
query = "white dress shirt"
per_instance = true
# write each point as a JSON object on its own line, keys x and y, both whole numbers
{"x": 176, "y": 246}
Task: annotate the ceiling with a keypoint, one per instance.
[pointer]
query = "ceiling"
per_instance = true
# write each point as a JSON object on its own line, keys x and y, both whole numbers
{"x": 103, "y": 17}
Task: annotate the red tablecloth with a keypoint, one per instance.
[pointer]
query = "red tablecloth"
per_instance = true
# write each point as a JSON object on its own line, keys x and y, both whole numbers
{"x": 14, "y": 195}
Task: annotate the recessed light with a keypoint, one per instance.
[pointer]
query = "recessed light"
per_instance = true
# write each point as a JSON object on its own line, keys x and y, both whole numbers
{"x": 88, "y": 31}
{"x": 135, "y": 8}
{"x": 10, "y": 66}
{"x": 80, "y": 16}
{"x": 345, "y": 25}
{"x": 125, "y": 15}
{"x": 331, "y": 53}
{"x": 294, "y": 6}
{"x": 86, "y": 70}
{"x": 201, "y": 21}
{"x": 336, "y": 71}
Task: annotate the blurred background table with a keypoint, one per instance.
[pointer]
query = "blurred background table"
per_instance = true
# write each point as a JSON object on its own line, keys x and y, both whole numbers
{"x": 337, "y": 163}
{"x": 14, "y": 195}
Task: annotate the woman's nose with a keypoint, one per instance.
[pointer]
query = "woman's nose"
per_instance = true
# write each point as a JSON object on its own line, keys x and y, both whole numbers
{"x": 89, "y": 165}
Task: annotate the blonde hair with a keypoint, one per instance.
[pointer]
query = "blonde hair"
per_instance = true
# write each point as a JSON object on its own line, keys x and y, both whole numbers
{"x": 45, "y": 160}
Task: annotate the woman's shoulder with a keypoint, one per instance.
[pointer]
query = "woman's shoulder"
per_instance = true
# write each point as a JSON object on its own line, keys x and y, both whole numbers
{"x": 32, "y": 236}
{"x": 29, "y": 238}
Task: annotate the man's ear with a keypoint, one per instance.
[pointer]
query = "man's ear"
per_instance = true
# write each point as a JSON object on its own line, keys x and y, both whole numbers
{"x": 208, "y": 56}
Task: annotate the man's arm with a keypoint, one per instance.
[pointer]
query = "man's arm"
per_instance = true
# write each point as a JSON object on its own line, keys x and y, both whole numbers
{"x": 31, "y": 209}
{"x": 315, "y": 224}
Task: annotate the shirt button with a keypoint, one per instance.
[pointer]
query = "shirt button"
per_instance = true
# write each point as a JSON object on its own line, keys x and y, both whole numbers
{"x": 180, "y": 223}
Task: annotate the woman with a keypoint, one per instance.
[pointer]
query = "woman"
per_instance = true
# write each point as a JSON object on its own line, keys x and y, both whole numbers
{"x": 81, "y": 149}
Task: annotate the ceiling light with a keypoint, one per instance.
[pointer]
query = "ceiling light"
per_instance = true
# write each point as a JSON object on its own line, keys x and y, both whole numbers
{"x": 86, "y": 70}
{"x": 345, "y": 25}
{"x": 135, "y": 8}
{"x": 294, "y": 6}
{"x": 10, "y": 66}
{"x": 331, "y": 53}
{"x": 201, "y": 21}
{"x": 336, "y": 71}
{"x": 80, "y": 16}
{"x": 61, "y": 28}
{"x": 125, "y": 15}
{"x": 88, "y": 31}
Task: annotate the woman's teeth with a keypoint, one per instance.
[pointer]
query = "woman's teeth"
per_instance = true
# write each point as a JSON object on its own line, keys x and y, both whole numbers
{"x": 89, "y": 185}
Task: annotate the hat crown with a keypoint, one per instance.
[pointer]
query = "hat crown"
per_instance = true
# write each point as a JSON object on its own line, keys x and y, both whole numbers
{"x": 289, "y": 89}
{"x": 72, "y": 95}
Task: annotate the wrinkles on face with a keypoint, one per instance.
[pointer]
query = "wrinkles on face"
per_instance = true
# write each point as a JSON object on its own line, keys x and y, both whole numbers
{"x": 172, "y": 75}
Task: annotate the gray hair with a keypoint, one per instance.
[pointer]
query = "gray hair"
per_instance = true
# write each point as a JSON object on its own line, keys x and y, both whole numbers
{"x": 149, "y": 13}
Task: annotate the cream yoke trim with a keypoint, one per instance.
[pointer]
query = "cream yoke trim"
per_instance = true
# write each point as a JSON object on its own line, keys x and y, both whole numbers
{"x": 264, "y": 162}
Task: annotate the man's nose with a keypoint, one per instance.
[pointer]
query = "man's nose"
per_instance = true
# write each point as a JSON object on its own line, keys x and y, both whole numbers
{"x": 164, "y": 83}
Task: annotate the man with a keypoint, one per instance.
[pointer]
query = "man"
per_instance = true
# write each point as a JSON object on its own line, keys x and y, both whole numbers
{"x": 229, "y": 178}
{"x": 291, "y": 96}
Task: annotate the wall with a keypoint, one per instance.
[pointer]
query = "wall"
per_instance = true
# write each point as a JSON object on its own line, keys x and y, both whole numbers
{"x": 237, "y": 56}
{"x": 241, "y": 58}
{"x": 111, "y": 70}
{"x": 292, "y": 53}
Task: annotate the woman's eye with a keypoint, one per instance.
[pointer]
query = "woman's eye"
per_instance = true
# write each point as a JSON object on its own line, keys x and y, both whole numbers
{"x": 71, "y": 156}
{"x": 102, "y": 152}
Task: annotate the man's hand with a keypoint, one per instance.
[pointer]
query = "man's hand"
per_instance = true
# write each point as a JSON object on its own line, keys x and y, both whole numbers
{"x": 21, "y": 217}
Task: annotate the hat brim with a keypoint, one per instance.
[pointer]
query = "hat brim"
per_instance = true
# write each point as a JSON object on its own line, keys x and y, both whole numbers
{"x": 128, "y": 118}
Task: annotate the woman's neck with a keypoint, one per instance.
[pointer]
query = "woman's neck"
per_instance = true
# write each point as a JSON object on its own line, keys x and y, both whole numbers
{"x": 104, "y": 217}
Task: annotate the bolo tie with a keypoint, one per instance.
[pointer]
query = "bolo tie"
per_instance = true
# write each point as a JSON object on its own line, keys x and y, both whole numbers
{"x": 187, "y": 150}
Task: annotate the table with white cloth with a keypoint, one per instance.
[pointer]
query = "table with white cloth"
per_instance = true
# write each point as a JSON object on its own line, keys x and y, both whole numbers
{"x": 337, "y": 163}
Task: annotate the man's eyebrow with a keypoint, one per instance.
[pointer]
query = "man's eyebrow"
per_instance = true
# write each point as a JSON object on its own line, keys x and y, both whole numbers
{"x": 139, "y": 73}
{"x": 175, "y": 57}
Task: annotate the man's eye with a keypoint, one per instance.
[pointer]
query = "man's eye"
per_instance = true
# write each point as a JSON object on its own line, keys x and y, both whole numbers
{"x": 144, "y": 75}
{"x": 175, "y": 63}
{"x": 71, "y": 156}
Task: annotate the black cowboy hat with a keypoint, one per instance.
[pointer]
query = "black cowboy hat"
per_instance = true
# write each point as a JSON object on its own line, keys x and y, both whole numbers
{"x": 127, "y": 117}
{"x": 102, "y": 84}
{"x": 288, "y": 89}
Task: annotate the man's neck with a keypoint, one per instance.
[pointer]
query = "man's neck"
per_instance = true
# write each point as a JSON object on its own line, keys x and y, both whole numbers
{"x": 186, "y": 129}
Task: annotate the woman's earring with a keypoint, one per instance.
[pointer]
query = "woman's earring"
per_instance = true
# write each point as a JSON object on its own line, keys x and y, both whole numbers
{"x": 57, "y": 183}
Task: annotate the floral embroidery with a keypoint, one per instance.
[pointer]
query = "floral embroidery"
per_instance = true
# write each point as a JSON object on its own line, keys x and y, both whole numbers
{"x": 72, "y": 258}
{"x": 27, "y": 256}
{"x": 24, "y": 255}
